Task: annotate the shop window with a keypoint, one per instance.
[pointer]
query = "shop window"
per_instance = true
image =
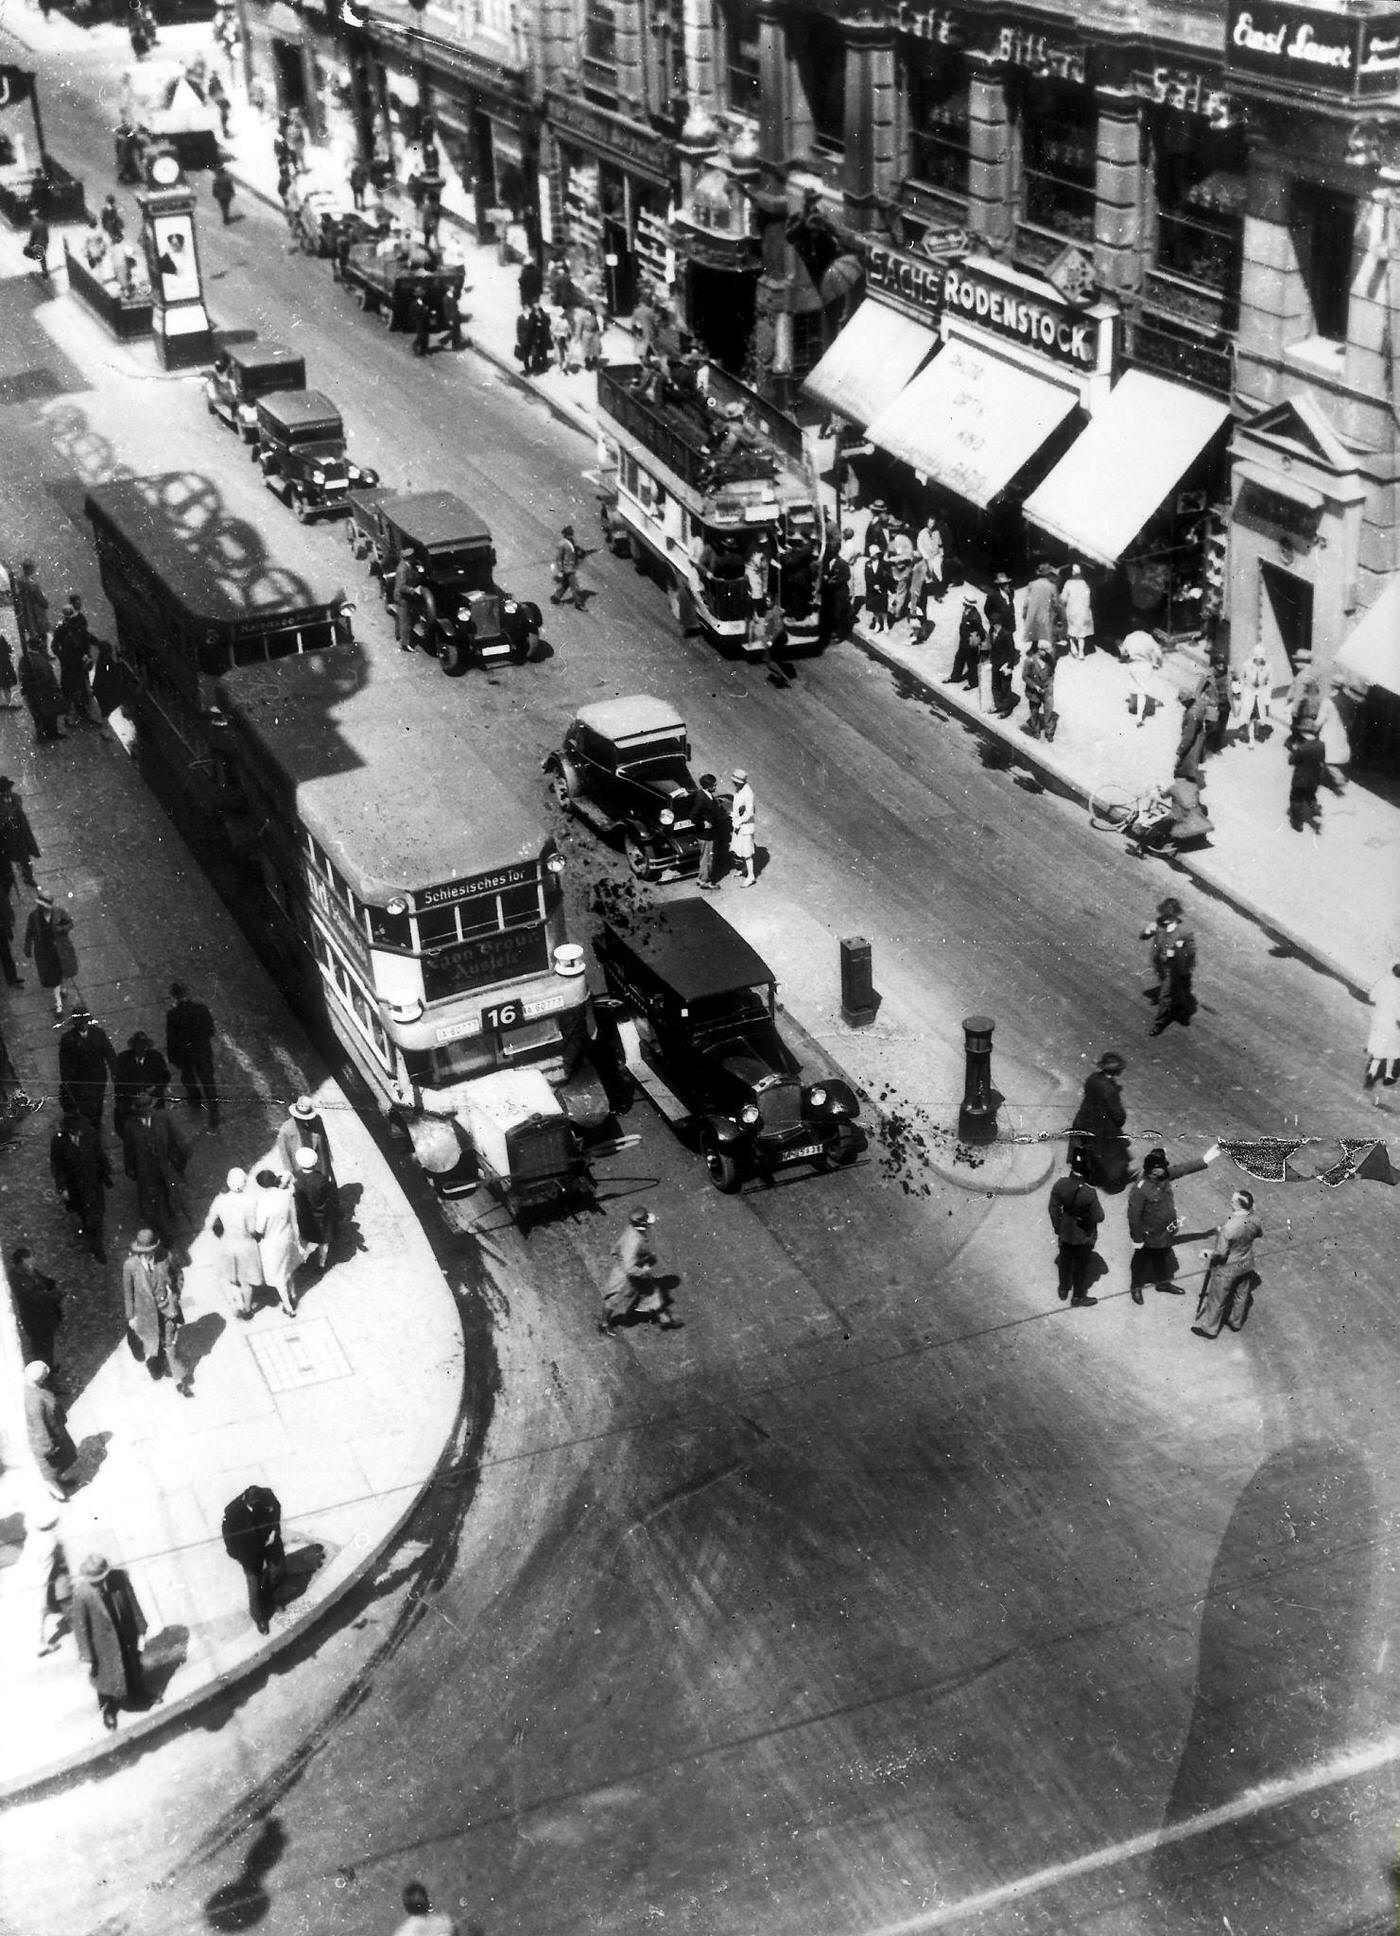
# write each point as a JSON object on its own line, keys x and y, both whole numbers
{"x": 738, "y": 26}
{"x": 937, "y": 94}
{"x": 1200, "y": 182}
{"x": 819, "y": 54}
{"x": 1324, "y": 230}
{"x": 1059, "y": 161}
{"x": 600, "y": 47}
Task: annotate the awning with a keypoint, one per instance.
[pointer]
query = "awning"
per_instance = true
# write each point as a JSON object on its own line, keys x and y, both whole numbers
{"x": 972, "y": 420}
{"x": 870, "y": 362}
{"x": 1372, "y": 653}
{"x": 1122, "y": 468}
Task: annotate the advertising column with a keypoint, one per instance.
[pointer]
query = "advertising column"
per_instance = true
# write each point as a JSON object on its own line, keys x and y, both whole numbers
{"x": 180, "y": 321}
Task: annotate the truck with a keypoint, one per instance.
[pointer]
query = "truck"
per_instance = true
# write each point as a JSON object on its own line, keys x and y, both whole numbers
{"x": 387, "y": 286}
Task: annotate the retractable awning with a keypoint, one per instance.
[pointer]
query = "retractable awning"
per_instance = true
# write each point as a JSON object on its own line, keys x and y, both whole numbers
{"x": 870, "y": 362}
{"x": 1372, "y": 652}
{"x": 972, "y": 421}
{"x": 1122, "y": 468}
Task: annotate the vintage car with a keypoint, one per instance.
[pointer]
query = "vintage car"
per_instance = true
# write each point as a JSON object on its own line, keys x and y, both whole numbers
{"x": 696, "y": 1010}
{"x": 623, "y": 769}
{"x": 387, "y": 284}
{"x": 301, "y": 451}
{"x": 459, "y": 613}
{"x": 313, "y": 216}
{"x": 246, "y": 372}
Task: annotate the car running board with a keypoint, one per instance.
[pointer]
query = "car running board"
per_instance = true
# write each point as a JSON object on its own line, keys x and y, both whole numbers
{"x": 666, "y": 1100}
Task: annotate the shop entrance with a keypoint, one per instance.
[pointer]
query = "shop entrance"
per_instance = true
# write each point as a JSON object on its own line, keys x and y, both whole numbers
{"x": 1286, "y": 612}
{"x": 291, "y": 75}
{"x": 720, "y": 310}
{"x": 620, "y": 264}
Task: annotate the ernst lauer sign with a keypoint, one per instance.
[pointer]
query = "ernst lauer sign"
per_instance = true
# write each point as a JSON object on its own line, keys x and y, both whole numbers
{"x": 1321, "y": 49}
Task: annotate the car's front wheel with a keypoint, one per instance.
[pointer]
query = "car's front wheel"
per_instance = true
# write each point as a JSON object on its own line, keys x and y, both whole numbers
{"x": 636, "y": 856}
{"x": 300, "y": 503}
{"x": 452, "y": 656}
{"x": 842, "y": 1153}
{"x": 563, "y": 784}
{"x": 722, "y": 1166}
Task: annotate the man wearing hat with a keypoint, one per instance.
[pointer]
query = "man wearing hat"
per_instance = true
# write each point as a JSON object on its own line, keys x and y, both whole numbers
{"x": 633, "y": 1289}
{"x": 154, "y": 1158}
{"x": 151, "y": 1299}
{"x": 1042, "y": 597}
{"x": 82, "y": 1176}
{"x": 107, "y": 1624}
{"x": 139, "y": 1067}
{"x": 304, "y": 1129}
{"x": 48, "y": 938}
{"x": 1153, "y": 1222}
{"x": 567, "y": 555}
{"x": 1304, "y": 700}
{"x": 85, "y": 1055}
{"x": 1173, "y": 963}
{"x": 743, "y": 822}
{"x": 1000, "y": 611}
{"x": 1075, "y": 1215}
{"x": 1099, "y": 1121}
{"x": 714, "y": 828}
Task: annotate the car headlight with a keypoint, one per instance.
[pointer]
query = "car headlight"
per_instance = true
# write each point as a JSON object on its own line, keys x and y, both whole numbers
{"x": 817, "y": 1097}
{"x": 748, "y": 1115}
{"x": 318, "y": 477}
{"x": 666, "y": 817}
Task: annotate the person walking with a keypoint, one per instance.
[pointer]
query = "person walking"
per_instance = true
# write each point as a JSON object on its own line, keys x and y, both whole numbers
{"x": 221, "y": 104}
{"x": 1383, "y": 1036}
{"x": 1038, "y": 678}
{"x": 155, "y": 1160}
{"x": 317, "y": 1204}
{"x": 568, "y": 554}
{"x": 972, "y": 636}
{"x": 1100, "y": 1119}
{"x": 48, "y": 1560}
{"x": 633, "y": 1289}
{"x": 82, "y": 1177}
{"x": 37, "y": 247}
{"x": 1304, "y": 701}
{"x": 40, "y": 691}
{"x": 139, "y": 1068}
{"x": 189, "y": 1044}
{"x": 107, "y": 1624}
{"x": 72, "y": 647}
{"x": 358, "y": 181}
{"x": 85, "y": 1058}
{"x": 1075, "y": 1216}
{"x": 1174, "y": 964}
{"x": 12, "y": 975}
{"x": 304, "y": 1129}
{"x": 31, "y": 608}
{"x": 231, "y": 1220}
{"x": 221, "y": 188}
{"x": 274, "y": 1224}
{"x": 17, "y": 842}
{"x": 589, "y": 337}
{"x": 113, "y": 223}
{"x": 154, "y": 1314}
{"x": 1038, "y": 613}
{"x": 48, "y": 941}
{"x": 450, "y": 319}
{"x": 421, "y": 315}
{"x": 743, "y": 826}
{"x": 1153, "y": 1222}
{"x": 46, "y": 1424}
{"x": 1142, "y": 652}
{"x": 408, "y": 580}
{"x": 1230, "y": 1279}
{"x": 1079, "y": 611}
{"x": 714, "y": 827}
{"x": 1195, "y": 727}
{"x": 252, "y": 1535}
{"x": 38, "y": 1306}
{"x": 1255, "y": 686}
{"x": 877, "y": 588}
{"x": 1307, "y": 762}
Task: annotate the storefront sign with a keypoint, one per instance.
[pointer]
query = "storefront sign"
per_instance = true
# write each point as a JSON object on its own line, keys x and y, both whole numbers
{"x": 1051, "y": 59}
{"x": 1069, "y": 336}
{"x": 611, "y": 137}
{"x": 912, "y": 281}
{"x": 935, "y": 24}
{"x": 1314, "y": 47}
{"x": 1187, "y": 90}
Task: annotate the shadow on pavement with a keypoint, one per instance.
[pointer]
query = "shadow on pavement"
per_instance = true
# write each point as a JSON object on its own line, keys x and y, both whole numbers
{"x": 197, "y": 1340}
{"x": 244, "y": 1902}
{"x": 162, "y": 1657}
{"x": 91, "y": 1453}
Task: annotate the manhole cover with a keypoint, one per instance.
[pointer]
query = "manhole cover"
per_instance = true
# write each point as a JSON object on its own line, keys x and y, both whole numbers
{"x": 29, "y": 386}
{"x": 306, "y": 1353}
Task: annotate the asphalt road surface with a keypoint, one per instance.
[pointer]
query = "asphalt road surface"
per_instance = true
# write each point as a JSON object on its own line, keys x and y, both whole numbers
{"x": 886, "y": 1595}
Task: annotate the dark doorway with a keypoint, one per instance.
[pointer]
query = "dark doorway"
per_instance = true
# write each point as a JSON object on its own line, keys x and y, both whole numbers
{"x": 291, "y": 75}
{"x": 720, "y": 309}
{"x": 621, "y": 266}
{"x": 1286, "y": 611}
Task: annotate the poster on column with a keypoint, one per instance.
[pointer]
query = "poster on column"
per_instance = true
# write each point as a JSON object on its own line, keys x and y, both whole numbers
{"x": 175, "y": 264}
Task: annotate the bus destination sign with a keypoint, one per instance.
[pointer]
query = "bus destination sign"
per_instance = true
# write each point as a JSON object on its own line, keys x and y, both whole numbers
{"x": 463, "y": 890}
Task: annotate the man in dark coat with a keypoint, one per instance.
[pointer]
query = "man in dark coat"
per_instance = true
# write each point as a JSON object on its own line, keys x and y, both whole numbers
{"x": 422, "y": 315}
{"x": 633, "y": 1288}
{"x": 107, "y": 1624}
{"x": 82, "y": 1176}
{"x": 189, "y": 1043}
{"x": 85, "y": 1056}
{"x": 39, "y": 689}
{"x": 1101, "y": 1116}
{"x": 7, "y": 926}
{"x": 17, "y": 842}
{"x": 304, "y": 1129}
{"x": 72, "y": 647}
{"x": 1038, "y": 678}
{"x": 1174, "y": 964}
{"x": 972, "y": 630}
{"x": 38, "y": 1306}
{"x": 835, "y": 622}
{"x": 1153, "y": 1222}
{"x": 450, "y": 319}
{"x": 1000, "y": 613}
{"x": 155, "y": 1161}
{"x": 252, "y": 1532}
{"x": 48, "y": 941}
{"x": 31, "y": 608}
{"x": 154, "y": 1316}
{"x": 317, "y": 1203}
{"x": 1307, "y": 764}
{"x": 1191, "y": 747}
{"x": 1075, "y": 1216}
{"x": 713, "y": 818}
{"x": 140, "y": 1067}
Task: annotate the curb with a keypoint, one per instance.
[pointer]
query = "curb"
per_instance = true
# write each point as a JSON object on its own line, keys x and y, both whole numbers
{"x": 145, "y": 1729}
{"x": 1022, "y": 752}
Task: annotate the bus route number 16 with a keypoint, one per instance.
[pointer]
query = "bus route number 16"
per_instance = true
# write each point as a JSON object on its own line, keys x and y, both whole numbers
{"x": 503, "y": 1015}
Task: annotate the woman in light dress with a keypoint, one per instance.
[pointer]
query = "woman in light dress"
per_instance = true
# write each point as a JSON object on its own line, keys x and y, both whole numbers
{"x": 274, "y": 1224}
{"x": 230, "y": 1221}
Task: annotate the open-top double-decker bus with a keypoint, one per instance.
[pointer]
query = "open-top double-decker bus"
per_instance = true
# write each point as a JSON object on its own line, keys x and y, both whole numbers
{"x": 717, "y": 495}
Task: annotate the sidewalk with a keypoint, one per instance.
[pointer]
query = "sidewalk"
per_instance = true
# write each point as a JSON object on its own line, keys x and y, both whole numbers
{"x": 345, "y": 1413}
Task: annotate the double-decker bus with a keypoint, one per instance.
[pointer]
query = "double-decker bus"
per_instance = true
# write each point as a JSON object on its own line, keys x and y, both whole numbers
{"x": 410, "y": 884}
{"x": 717, "y": 495}
{"x": 194, "y": 595}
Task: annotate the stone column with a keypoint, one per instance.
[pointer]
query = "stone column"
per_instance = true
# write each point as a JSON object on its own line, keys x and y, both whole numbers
{"x": 991, "y": 170}
{"x": 1273, "y": 300}
{"x": 631, "y": 60}
{"x": 699, "y": 20}
{"x": 1118, "y": 183}
{"x": 869, "y": 167}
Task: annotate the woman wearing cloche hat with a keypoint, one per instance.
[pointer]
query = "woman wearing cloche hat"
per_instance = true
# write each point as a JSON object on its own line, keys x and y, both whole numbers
{"x": 1100, "y": 1121}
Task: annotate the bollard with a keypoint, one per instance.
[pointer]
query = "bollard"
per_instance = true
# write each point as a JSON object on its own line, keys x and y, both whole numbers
{"x": 857, "y": 982}
{"x": 977, "y": 1118}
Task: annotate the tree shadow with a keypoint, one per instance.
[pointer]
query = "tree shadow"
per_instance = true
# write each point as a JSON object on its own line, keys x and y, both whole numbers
{"x": 243, "y": 1902}
{"x": 197, "y": 1340}
{"x": 162, "y": 1657}
{"x": 85, "y": 1468}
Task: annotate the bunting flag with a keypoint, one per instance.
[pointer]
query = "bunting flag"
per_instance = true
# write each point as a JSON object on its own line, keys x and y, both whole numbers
{"x": 16, "y": 85}
{"x": 1363, "y": 1157}
{"x": 1265, "y": 1158}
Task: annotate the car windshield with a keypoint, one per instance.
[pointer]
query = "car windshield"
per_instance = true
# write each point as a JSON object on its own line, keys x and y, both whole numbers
{"x": 656, "y": 766}
{"x": 733, "y": 1009}
{"x": 323, "y": 440}
{"x": 470, "y": 571}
